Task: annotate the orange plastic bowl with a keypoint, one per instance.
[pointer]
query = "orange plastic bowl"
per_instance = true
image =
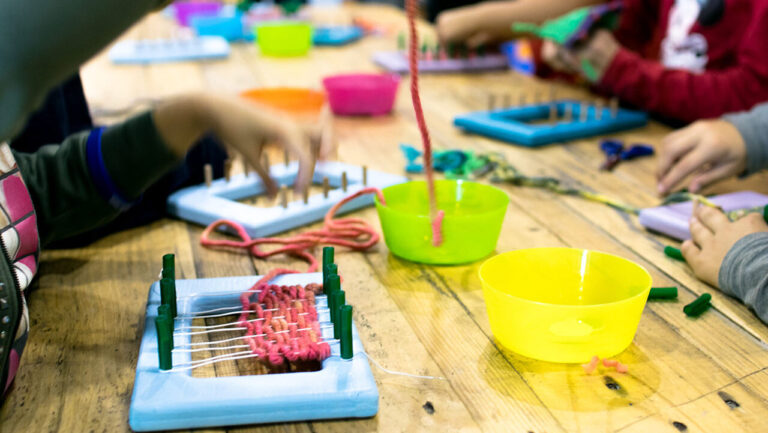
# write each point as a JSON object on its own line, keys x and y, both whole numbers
{"x": 292, "y": 100}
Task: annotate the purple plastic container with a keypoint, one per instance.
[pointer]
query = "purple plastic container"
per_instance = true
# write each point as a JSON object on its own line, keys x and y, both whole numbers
{"x": 185, "y": 10}
{"x": 362, "y": 94}
{"x": 672, "y": 220}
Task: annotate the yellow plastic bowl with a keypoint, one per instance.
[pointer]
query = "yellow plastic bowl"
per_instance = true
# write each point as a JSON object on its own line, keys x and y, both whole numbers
{"x": 284, "y": 38}
{"x": 564, "y": 304}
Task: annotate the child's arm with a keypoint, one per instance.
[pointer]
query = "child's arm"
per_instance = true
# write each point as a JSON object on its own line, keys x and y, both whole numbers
{"x": 491, "y": 21}
{"x": 92, "y": 176}
{"x": 713, "y": 150}
{"x": 731, "y": 255}
{"x": 44, "y": 41}
{"x": 681, "y": 94}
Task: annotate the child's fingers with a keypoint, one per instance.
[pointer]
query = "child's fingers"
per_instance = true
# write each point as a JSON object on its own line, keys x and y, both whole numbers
{"x": 710, "y": 217}
{"x": 674, "y": 147}
{"x": 690, "y": 251}
{"x": 713, "y": 174}
{"x": 681, "y": 169}
{"x": 252, "y": 154}
{"x": 700, "y": 234}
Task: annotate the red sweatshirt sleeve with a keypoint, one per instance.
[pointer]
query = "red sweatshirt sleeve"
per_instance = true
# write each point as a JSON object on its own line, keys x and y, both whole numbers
{"x": 689, "y": 96}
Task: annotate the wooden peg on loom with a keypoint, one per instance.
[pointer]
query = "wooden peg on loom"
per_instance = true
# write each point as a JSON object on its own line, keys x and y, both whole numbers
{"x": 599, "y": 105}
{"x": 208, "y": 174}
{"x": 614, "y": 107}
{"x": 522, "y": 99}
{"x": 284, "y": 196}
{"x": 286, "y": 158}
{"x": 227, "y": 169}
{"x": 344, "y": 181}
{"x": 305, "y": 196}
{"x": 552, "y": 112}
{"x": 568, "y": 112}
{"x": 245, "y": 166}
{"x": 365, "y": 175}
{"x": 583, "y": 112}
{"x": 507, "y": 100}
{"x": 491, "y": 101}
{"x": 326, "y": 187}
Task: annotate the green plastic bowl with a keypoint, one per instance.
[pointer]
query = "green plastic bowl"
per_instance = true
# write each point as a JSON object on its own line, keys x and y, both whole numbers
{"x": 284, "y": 38}
{"x": 473, "y": 216}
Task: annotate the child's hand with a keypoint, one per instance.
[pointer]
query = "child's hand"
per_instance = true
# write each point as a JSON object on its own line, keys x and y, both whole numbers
{"x": 590, "y": 59}
{"x": 713, "y": 236}
{"x": 240, "y": 125}
{"x": 463, "y": 25}
{"x": 711, "y": 150}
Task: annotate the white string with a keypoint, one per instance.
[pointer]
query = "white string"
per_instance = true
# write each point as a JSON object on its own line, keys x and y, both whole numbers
{"x": 204, "y": 343}
{"x": 223, "y": 325}
{"x": 209, "y": 332}
{"x": 400, "y": 373}
{"x": 247, "y": 354}
{"x": 208, "y": 361}
{"x": 212, "y": 349}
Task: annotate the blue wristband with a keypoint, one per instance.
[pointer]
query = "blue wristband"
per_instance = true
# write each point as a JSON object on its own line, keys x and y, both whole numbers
{"x": 101, "y": 179}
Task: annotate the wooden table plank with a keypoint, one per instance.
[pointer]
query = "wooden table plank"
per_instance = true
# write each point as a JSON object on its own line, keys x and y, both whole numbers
{"x": 87, "y": 313}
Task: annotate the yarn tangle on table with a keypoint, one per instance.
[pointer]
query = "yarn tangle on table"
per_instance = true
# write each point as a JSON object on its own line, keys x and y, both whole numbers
{"x": 353, "y": 233}
{"x": 436, "y": 215}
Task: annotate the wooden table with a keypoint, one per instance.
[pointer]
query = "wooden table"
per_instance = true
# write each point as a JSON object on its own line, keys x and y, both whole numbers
{"x": 706, "y": 374}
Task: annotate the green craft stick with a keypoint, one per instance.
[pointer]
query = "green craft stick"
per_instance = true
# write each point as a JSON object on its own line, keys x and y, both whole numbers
{"x": 165, "y": 310}
{"x": 663, "y": 293}
{"x": 169, "y": 266}
{"x": 674, "y": 253}
{"x": 339, "y": 300}
{"x": 168, "y": 294}
{"x": 401, "y": 41}
{"x": 697, "y": 307}
{"x": 589, "y": 70}
{"x": 164, "y": 327}
{"x": 765, "y": 213}
{"x": 328, "y": 270}
{"x": 346, "y": 332}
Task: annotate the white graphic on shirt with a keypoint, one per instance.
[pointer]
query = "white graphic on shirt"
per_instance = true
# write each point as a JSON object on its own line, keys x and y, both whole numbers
{"x": 681, "y": 49}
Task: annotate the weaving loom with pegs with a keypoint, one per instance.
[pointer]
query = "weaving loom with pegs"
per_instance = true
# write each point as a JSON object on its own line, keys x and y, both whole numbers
{"x": 544, "y": 122}
{"x": 227, "y": 198}
{"x": 440, "y": 58}
{"x": 283, "y": 322}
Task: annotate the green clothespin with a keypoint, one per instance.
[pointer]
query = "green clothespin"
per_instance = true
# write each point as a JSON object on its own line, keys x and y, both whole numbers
{"x": 290, "y": 7}
{"x": 699, "y": 306}
{"x": 674, "y": 253}
{"x": 334, "y": 286}
{"x": 328, "y": 270}
{"x": 339, "y": 300}
{"x": 164, "y": 328}
{"x": 169, "y": 266}
{"x": 663, "y": 293}
{"x": 346, "y": 332}
{"x": 401, "y": 41}
{"x": 168, "y": 295}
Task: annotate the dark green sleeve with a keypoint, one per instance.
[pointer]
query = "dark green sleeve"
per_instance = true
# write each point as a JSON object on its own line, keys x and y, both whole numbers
{"x": 44, "y": 41}
{"x": 62, "y": 187}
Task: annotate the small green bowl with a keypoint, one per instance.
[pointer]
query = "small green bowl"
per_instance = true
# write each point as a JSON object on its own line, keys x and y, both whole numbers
{"x": 473, "y": 216}
{"x": 284, "y": 38}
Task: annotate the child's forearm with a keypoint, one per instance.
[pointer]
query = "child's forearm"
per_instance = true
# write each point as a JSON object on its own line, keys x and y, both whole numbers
{"x": 753, "y": 127}
{"x": 499, "y": 15}
{"x": 744, "y": 273}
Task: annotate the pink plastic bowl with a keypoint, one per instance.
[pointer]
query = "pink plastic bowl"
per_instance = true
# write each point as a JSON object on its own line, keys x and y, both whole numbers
{"x": 185, "y": 10}
{"x": 356, "y": 94}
